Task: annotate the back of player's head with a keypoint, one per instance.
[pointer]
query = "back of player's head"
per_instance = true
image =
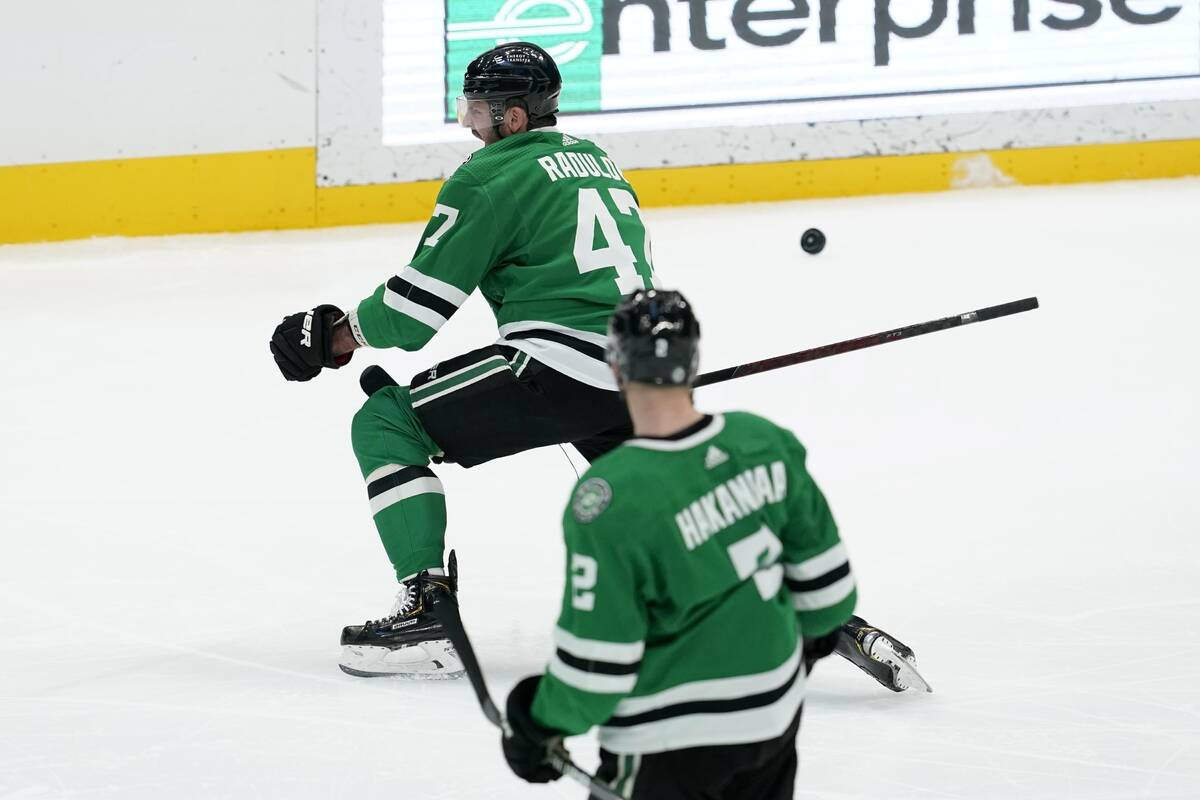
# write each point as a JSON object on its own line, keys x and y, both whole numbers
{"x": 654, "y": 337}
{"x": 516, "y": 73}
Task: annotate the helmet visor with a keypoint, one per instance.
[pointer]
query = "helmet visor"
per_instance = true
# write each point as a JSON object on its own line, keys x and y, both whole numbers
{"x": 474, "y": 114}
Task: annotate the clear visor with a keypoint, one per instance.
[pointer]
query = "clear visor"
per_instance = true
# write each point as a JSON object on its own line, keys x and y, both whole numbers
{"x": 474, "y": 114}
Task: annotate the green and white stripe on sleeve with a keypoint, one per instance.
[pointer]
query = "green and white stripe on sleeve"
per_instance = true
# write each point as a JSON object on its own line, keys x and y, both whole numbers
{"x": 591, "y": 665}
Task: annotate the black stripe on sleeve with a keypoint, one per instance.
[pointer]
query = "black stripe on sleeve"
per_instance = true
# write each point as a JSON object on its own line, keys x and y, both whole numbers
{"x": 378, "y": 487}
{"x": 587, "y": 348}
{"x": 820, "y": 582}
{"x": 421, "y": 297}
{"x": 598, "y": 667}
{"x": 707, "y": 706}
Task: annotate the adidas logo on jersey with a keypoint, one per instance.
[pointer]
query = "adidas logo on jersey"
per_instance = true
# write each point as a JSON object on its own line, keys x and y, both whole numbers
{"x": 714, "y": 457}
{"x": 569, "y": 140}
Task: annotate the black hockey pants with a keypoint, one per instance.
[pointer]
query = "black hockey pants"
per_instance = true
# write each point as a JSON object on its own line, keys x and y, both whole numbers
{"x": 755, "y": 771}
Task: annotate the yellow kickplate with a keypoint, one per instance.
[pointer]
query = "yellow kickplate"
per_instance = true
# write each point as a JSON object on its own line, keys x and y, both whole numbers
{"x": 145, "y": 196}
{"x": 276, "y": 189}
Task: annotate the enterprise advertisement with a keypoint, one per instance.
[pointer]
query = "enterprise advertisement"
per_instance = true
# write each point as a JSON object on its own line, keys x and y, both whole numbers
{"x": 620, "y": 57}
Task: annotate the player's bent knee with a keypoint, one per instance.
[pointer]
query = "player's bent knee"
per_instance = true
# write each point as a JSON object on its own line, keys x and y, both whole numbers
{"x": 386, "y": 427}
{"x": 387, "y": 410}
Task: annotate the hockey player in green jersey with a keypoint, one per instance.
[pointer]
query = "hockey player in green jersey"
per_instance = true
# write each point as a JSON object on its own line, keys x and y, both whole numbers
{"x": 704, "y": 577}
{"x": 547, "y": 228}
{"x": 545, "y": 225}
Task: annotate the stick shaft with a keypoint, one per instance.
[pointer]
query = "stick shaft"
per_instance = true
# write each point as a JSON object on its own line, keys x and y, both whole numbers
{"x": 863, "y": 342}
{"x": 446, "y": 610}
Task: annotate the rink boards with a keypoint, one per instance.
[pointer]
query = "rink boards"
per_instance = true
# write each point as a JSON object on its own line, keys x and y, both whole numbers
{"x": 298, "y": 120}
{"x": 272, "y": 190}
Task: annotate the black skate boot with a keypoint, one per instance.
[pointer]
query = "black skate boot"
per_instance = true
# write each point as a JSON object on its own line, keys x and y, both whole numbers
{"x": 881, "y": 655}
{"x": 409, "y": 642}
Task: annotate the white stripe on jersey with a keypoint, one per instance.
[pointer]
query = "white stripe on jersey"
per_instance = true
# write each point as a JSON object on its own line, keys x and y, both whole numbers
{"x": 428, "y": 485}
{"x": 598, "y": 339}
{"x": 831, "y": 595}
{"x": 596, "y": 650}
{"x": 560, "y": 357}
{"x": 713, "y": 689}
{"x": 818, "y": 565}
{"x": 418, "y": 312}
{"x": 591, "y": 681}
{"x": 706, "y": 729}
{"x": 451, "y": 294}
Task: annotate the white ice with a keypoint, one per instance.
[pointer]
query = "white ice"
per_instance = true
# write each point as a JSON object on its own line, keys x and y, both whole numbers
{"x": 184, "y": 533}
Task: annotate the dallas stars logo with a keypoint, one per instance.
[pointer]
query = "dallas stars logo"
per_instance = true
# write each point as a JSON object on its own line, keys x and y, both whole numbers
{"x": 591, "y": 498}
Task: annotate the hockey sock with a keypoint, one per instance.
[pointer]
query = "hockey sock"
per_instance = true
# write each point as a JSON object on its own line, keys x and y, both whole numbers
{"x": 407, "y": 500}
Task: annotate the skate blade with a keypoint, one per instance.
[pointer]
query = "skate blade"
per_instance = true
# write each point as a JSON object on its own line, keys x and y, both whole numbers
{"x": 904, "y": 669}
{"x": 430, "y": 661}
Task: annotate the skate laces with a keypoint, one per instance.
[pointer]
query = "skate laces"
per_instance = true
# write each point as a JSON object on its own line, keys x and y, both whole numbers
{"x": 406, "y": 600}
{"x": 406, "y": 603}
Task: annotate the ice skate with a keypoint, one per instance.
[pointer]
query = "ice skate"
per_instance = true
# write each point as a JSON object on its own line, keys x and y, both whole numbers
{"x": 409, "y": 642}
{"x": 880, "y": 655}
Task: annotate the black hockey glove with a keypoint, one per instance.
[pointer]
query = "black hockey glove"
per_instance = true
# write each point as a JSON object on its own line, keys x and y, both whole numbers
{"x": 527, "y": 749}
{"x": 818, "y": 648}
{"x": 301, "y": 343}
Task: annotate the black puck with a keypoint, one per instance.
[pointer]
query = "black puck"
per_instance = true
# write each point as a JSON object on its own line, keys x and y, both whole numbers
{"x": 813, "y": 241}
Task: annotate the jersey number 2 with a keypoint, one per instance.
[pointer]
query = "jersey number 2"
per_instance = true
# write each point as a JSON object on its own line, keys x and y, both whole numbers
{"x": 614, "y": 253}
{"x": 758, "y": 555}
{"x": 583, "y": 581}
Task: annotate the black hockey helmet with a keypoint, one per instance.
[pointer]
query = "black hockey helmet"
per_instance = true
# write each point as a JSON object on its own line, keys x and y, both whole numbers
{"x": 653, "y": 337}
{"x": 515, "y": 71}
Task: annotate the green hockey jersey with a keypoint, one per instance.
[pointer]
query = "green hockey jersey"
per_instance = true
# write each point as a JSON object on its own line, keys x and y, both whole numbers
{"x": 548, "y": 229}
{"x": 695, "y": 567}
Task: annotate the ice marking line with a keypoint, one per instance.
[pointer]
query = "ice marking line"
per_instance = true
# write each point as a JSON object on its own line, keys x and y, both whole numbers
{"x": 180, "y": 648}
{"x": 253, "y": 664}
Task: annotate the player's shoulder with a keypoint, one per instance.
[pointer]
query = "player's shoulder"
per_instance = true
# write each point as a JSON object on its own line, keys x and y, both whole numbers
{"x": 466, "y": 182}
{"x": 752, "y": 434}
{"x": 609, "y": 490}
{"x": 499, "y": 159}
{"x": 532, "y": 150}
{"x": 618, "y": 465}
{"x": 555, "y": 139}
{"x": 747, "y": 423}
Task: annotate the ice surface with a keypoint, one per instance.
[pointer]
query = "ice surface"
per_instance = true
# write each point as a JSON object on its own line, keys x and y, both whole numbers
{"x": 184, "y": 533}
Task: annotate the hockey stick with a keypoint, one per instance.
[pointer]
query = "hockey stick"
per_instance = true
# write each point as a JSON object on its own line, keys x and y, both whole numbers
{"x": 445, "y": 609}
{"x": 862, "y": 342}
{"x": 373, "y": 377}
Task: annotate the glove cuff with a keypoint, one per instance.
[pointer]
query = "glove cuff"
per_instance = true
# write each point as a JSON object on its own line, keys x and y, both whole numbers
{"x": 327, "y": 316}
